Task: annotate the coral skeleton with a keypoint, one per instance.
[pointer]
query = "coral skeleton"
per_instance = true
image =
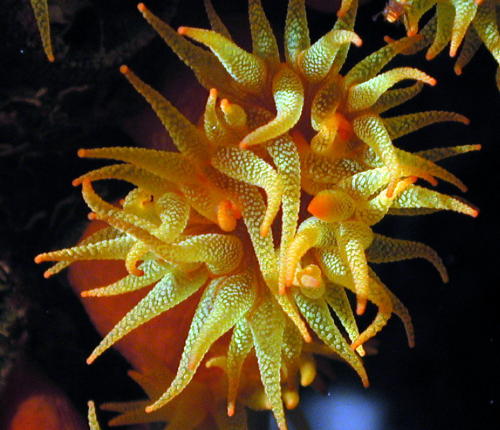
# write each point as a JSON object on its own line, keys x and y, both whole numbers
{"x": 267, "y": 208}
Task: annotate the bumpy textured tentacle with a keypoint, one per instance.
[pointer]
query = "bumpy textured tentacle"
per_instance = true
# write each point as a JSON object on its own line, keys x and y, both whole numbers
{"x": 167, "y": 293}
{"x": 386, "y": 249}
{"x": 364, "y": 95}
{"x": 267, "y": 325}
{"x": 415, "y": 12}
{"x": 464, "y": 14}
{"x": 185, "y": 373}
{"x": 401, "y": 125}
{"x": 167, "y": 165}
{"x": 215, "y": 21}
{"x": 246, "y": 166}
{"x": 288, "y": 94}
{"x": 344, "y": 22}
{"x": 263, "y": 40}
{"x": 152, "y": 272}
{"x": 205, "y": 65}
{"x": 316, "y": 61}
{"x": 239, "y": 347}
{"x": 445, "y": 15}
{"x": 127, "y": 172}
{"x": 393, "y": 98}
{"x": 418, "y": 197}
{"x": 486, "y": 25}
{"x": 336, "y": 297}
{"x": 185, "y": 135}
{"x": 287, "y": 160}
{"x": 437, "y": 154}
{"x": 296, "y": 30}
{"x": 319, "y": 318}
{"x": 41, "y": 11}
{"x": 92, "y": 417}
{"x": 246, "y": 69}
{"x": 469, "y": 48}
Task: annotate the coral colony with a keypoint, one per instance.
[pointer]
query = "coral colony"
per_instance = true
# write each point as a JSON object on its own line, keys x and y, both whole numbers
{"x": 268, "y": 207}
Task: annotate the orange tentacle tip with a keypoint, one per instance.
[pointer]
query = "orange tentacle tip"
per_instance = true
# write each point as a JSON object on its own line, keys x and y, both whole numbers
{"x": 142, "y": 7}
{"x": 321, "y": 206}
{"x": 82, "y": 153}
{"x": 230, "y": 409}
{"x": 182, "y": 30}
{"x": 213, "y": 92}
{"x": 124, "y": 69}
{"x": 361, "y": 303}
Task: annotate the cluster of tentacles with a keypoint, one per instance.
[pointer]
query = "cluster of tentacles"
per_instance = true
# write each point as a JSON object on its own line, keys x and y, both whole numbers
{"x": 466, "y": 23}
{"x": 197, "y": 219}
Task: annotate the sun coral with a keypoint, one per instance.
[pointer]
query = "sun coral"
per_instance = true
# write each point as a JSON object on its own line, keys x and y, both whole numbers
{"x": 302, "y": 134}
{"x": 457, "y": 22}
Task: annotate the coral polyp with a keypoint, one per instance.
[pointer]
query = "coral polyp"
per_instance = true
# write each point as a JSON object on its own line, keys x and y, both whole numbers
{"x": 290, "y": 134}
{"x": 460, "y": 23}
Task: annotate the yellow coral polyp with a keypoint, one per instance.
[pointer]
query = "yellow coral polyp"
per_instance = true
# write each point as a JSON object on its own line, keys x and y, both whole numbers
{"x": 196, "y": 218}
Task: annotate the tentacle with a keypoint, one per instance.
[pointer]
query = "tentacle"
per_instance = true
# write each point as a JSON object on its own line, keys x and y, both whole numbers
{"x": 401, "y": 125}
{"x": 184, "y": 372}
{"x": 215, "y": 21}
{"x": 246, "y": 166}
{"x": 336, "y": 297}
{"x": 246, "y": 69}
{"x": 267, "y": 324}
{"x": 469, "y": 48}
{"x": 165, "y": 164}
{"x": 239, "y": 347}
{"x": 393, "y": 98}
{"x": 41, "y": 11}
{"x": 323, "y": 169}
{"x": 437, "y": 154}
{"x": 464, "y": 14}
{"x": 188, "y": 139}
{"x": 263, "y": 41}
{"x": 445, "y": 14}
{"x": 127, "y": 172}
{"x": 235, "y": 296}
{"x": 316, "y": 61}
{"x": 386, "y": 249}
{"x": 112, "y": 249}
{"x": 418, "y": 197}
{"x": 288, "y": 94}
{"x": 344, "y": 22}
{"x": 286, "y": 158}
{"x": 106, "y": 233}
{"x": 152, "y": 273}
{"x": 167, "y": 293}
{"x": 92, "y": 417}
{"x": 353, "y": 238}
{"x": 174, "y": 215}
{"x": 371, "y": 65}
{"x": 364, "y": 95}
{"x": 319, "y": 318}
{"x": 415, "y": 12}
{"x": 296, "y": 30}
{"x": 486, "y": 26}
{"x": 205, "y": 65}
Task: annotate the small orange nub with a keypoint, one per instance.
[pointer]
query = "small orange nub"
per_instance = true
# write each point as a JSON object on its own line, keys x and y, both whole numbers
{"x": 149, "y": 409}
{"x": 230, "y": 409}
{"x": 142, "y": 7}
{"x": 47, "y": 274}
{"x": 124, "y": 69}
{"x": 39, "y": 258}
{"x": 182, "y": 30}
{"x": 432, "y": 82}
{"x": 474, "y": 213}
{"x": 224, "y": 103}
{"x": 51, "y": 58}
{"x": 243, "y": 145}
{"x": 388, "y": 39}
{"x": 360, "y": 308}
{"x": 76, "y": 182}
{"x": 213, "y": 92}
{"x": 321, "y": 206}
{"x": 82, "y": 153}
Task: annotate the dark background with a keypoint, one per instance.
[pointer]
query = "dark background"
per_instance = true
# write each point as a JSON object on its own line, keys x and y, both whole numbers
{"x": 448, "y": 381}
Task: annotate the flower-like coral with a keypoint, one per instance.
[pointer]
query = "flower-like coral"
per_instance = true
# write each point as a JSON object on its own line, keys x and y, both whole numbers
{"x": 469, "y": 23}
{"x": 197, "y": 219}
